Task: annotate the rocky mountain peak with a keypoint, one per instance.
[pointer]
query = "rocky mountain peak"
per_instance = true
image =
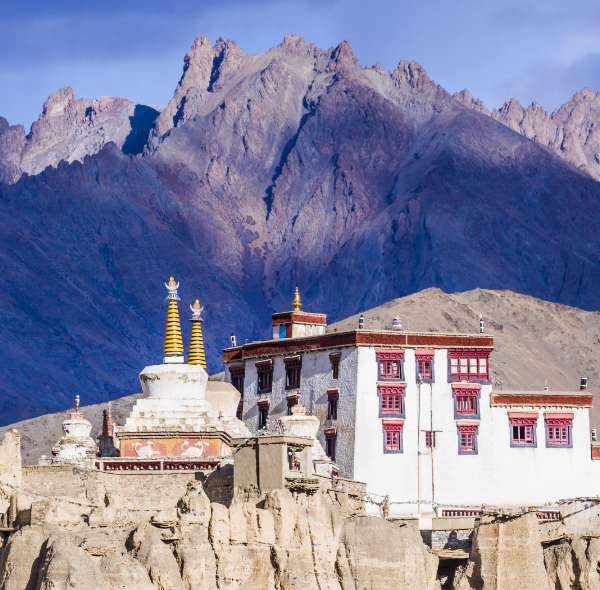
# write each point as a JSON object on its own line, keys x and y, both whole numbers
{"x": 58, "y": 103}
{"x": 343, "y": 55}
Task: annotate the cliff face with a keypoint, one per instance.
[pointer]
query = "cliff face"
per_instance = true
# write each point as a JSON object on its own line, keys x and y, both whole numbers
{"x": 294, "y": 167}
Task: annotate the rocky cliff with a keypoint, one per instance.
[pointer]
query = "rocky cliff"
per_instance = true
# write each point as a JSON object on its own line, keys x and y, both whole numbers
{"x": 295, "y": 167}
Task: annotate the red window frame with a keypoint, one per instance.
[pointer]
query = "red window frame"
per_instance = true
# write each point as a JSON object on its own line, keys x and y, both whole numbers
{"x": 522, "y": 429}
{"x": 429, "y": 438}
{"x": 335, "y": 364}
{"x": 424, "y": 363}
{"x": 391, "y": 400}
{"x": 558, "y": 430}
{"x": 390, "y": 364}
{"x": 392, "y": 434}
{"x": 467, "y": 434}
{"x": 332, "y": 403}
{"x": 469, "y": 364}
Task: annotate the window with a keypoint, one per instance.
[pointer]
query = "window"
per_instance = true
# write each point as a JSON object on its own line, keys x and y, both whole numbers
{"x": 466, "y": 401}
{"x": 292, "y": 400}
{"x": 469, "y": 364}
{"x": 522, "y": 430}
{"x": 391, "y": 400}
{"x": 335, "y": 364}
{"x": 265, "y": 376}
{"x": 240, "y": 411}
{"x": 293, "y": 365}
{"x": 330, "y": 442}
{"x": 392, "y": 436}
{"x": 424, "y": 364}
{"x": 467, "y": 439}
{"x": 390, "y": 364}
{"x": 263, "y": 413}
{"x": 429, "y": 438}
{"x": 332, "y": 404}
{"x": 558, "y": 430}
{"x": 282, "y": 331}
{"x": 237, "y": 378}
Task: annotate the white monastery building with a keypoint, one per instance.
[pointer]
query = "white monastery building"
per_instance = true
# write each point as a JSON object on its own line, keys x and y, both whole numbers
{"x": 415, "y": 416}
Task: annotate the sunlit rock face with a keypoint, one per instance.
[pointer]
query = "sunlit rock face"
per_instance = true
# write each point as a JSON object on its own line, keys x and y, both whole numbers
{"x": 295, "y": 167}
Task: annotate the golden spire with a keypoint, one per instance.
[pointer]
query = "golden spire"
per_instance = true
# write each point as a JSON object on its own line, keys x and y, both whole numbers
{"x": 297, "y": 304}
{"x": 196, "y": 354}
{"x": 173, "y": 342}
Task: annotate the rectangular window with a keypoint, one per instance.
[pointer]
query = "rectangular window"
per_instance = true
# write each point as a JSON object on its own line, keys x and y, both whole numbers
{"x": 391, "y": 400}
{"x": 263, "y": 415}
{"x": 467, "y": 438}
{"x": 469, "y": 364}
{"x": 265, "y": 376}
{"x": 390, "y": 364}
{"x": 293, "y": 367}
{"x": 522, "y": 430}
{"x": 240, "y": 411}
{"x": 282, "y": 331}
{"x": 466, "y": 404}
{"x": 558, "y": 430}
{"x": 391, "y": 403}
{"x": 335, "y": 365}
{"x": 424, "y": 369}
{"x": 330, "y": 442}
{"x": 392, "y": 441}
{"x": 429, "y": 438}
{"x": 392, "y": 436}
{"x": 237, "y": 378}
{"x": 332, "y": 404}
{"x": 523, "y": 435}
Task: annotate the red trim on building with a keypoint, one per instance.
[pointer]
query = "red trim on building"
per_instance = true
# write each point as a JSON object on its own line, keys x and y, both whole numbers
{"x": 466, "y": 386}
{"x": 264, "y": 404}
{"x": 596, "y": 452}
{"x": 264, "y": 364}
{"x": 333, "y": 393}
{"x": 523, "y": 419}
{"x": 387, "y": 354}
{"x": 425, "y": 353}
{"x": 467, "y": 428}
{"x": 507, "y": 399}
{"x": 237, "y": 371}
{"x": 389, "y": 389}
{"x": 559, "y": 417}
{"x": 393, "y": 425}
{"x": 293, "y": 360}
{"x": 330, "y": 432}
{"x": 354, "y": 338}
{"x": 298, "y": 317}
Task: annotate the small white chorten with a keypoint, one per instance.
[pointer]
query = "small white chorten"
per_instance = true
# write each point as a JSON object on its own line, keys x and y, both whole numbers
{"x": 76, "y": 445}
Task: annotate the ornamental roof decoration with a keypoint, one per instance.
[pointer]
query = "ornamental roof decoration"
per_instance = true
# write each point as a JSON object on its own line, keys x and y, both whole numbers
{"x": 297, "y": 303}
{"x": 172, "y": 287}
{"x": 196, "y": 311}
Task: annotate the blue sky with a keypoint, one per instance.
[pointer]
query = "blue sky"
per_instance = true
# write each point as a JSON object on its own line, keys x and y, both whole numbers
{"x": 529, "y": 50}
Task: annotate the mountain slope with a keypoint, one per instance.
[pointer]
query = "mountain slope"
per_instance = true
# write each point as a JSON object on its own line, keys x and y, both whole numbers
{"x": 294, "y": 167}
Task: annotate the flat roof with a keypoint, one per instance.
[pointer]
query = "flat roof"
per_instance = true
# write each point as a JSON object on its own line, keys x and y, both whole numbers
{"x": 381, "y": 338}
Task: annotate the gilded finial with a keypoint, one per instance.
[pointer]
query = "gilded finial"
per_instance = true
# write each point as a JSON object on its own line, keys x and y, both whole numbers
{"x": 173, "y": 343}
{"x": 196, "y": 355}
{"x": 297, "y": 304}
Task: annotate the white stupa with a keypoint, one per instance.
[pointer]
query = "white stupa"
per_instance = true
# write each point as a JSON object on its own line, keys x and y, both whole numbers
{"x": 76, "y": 445}
{"x": 301, "y": 424}
{"x": 174, "y": 414}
